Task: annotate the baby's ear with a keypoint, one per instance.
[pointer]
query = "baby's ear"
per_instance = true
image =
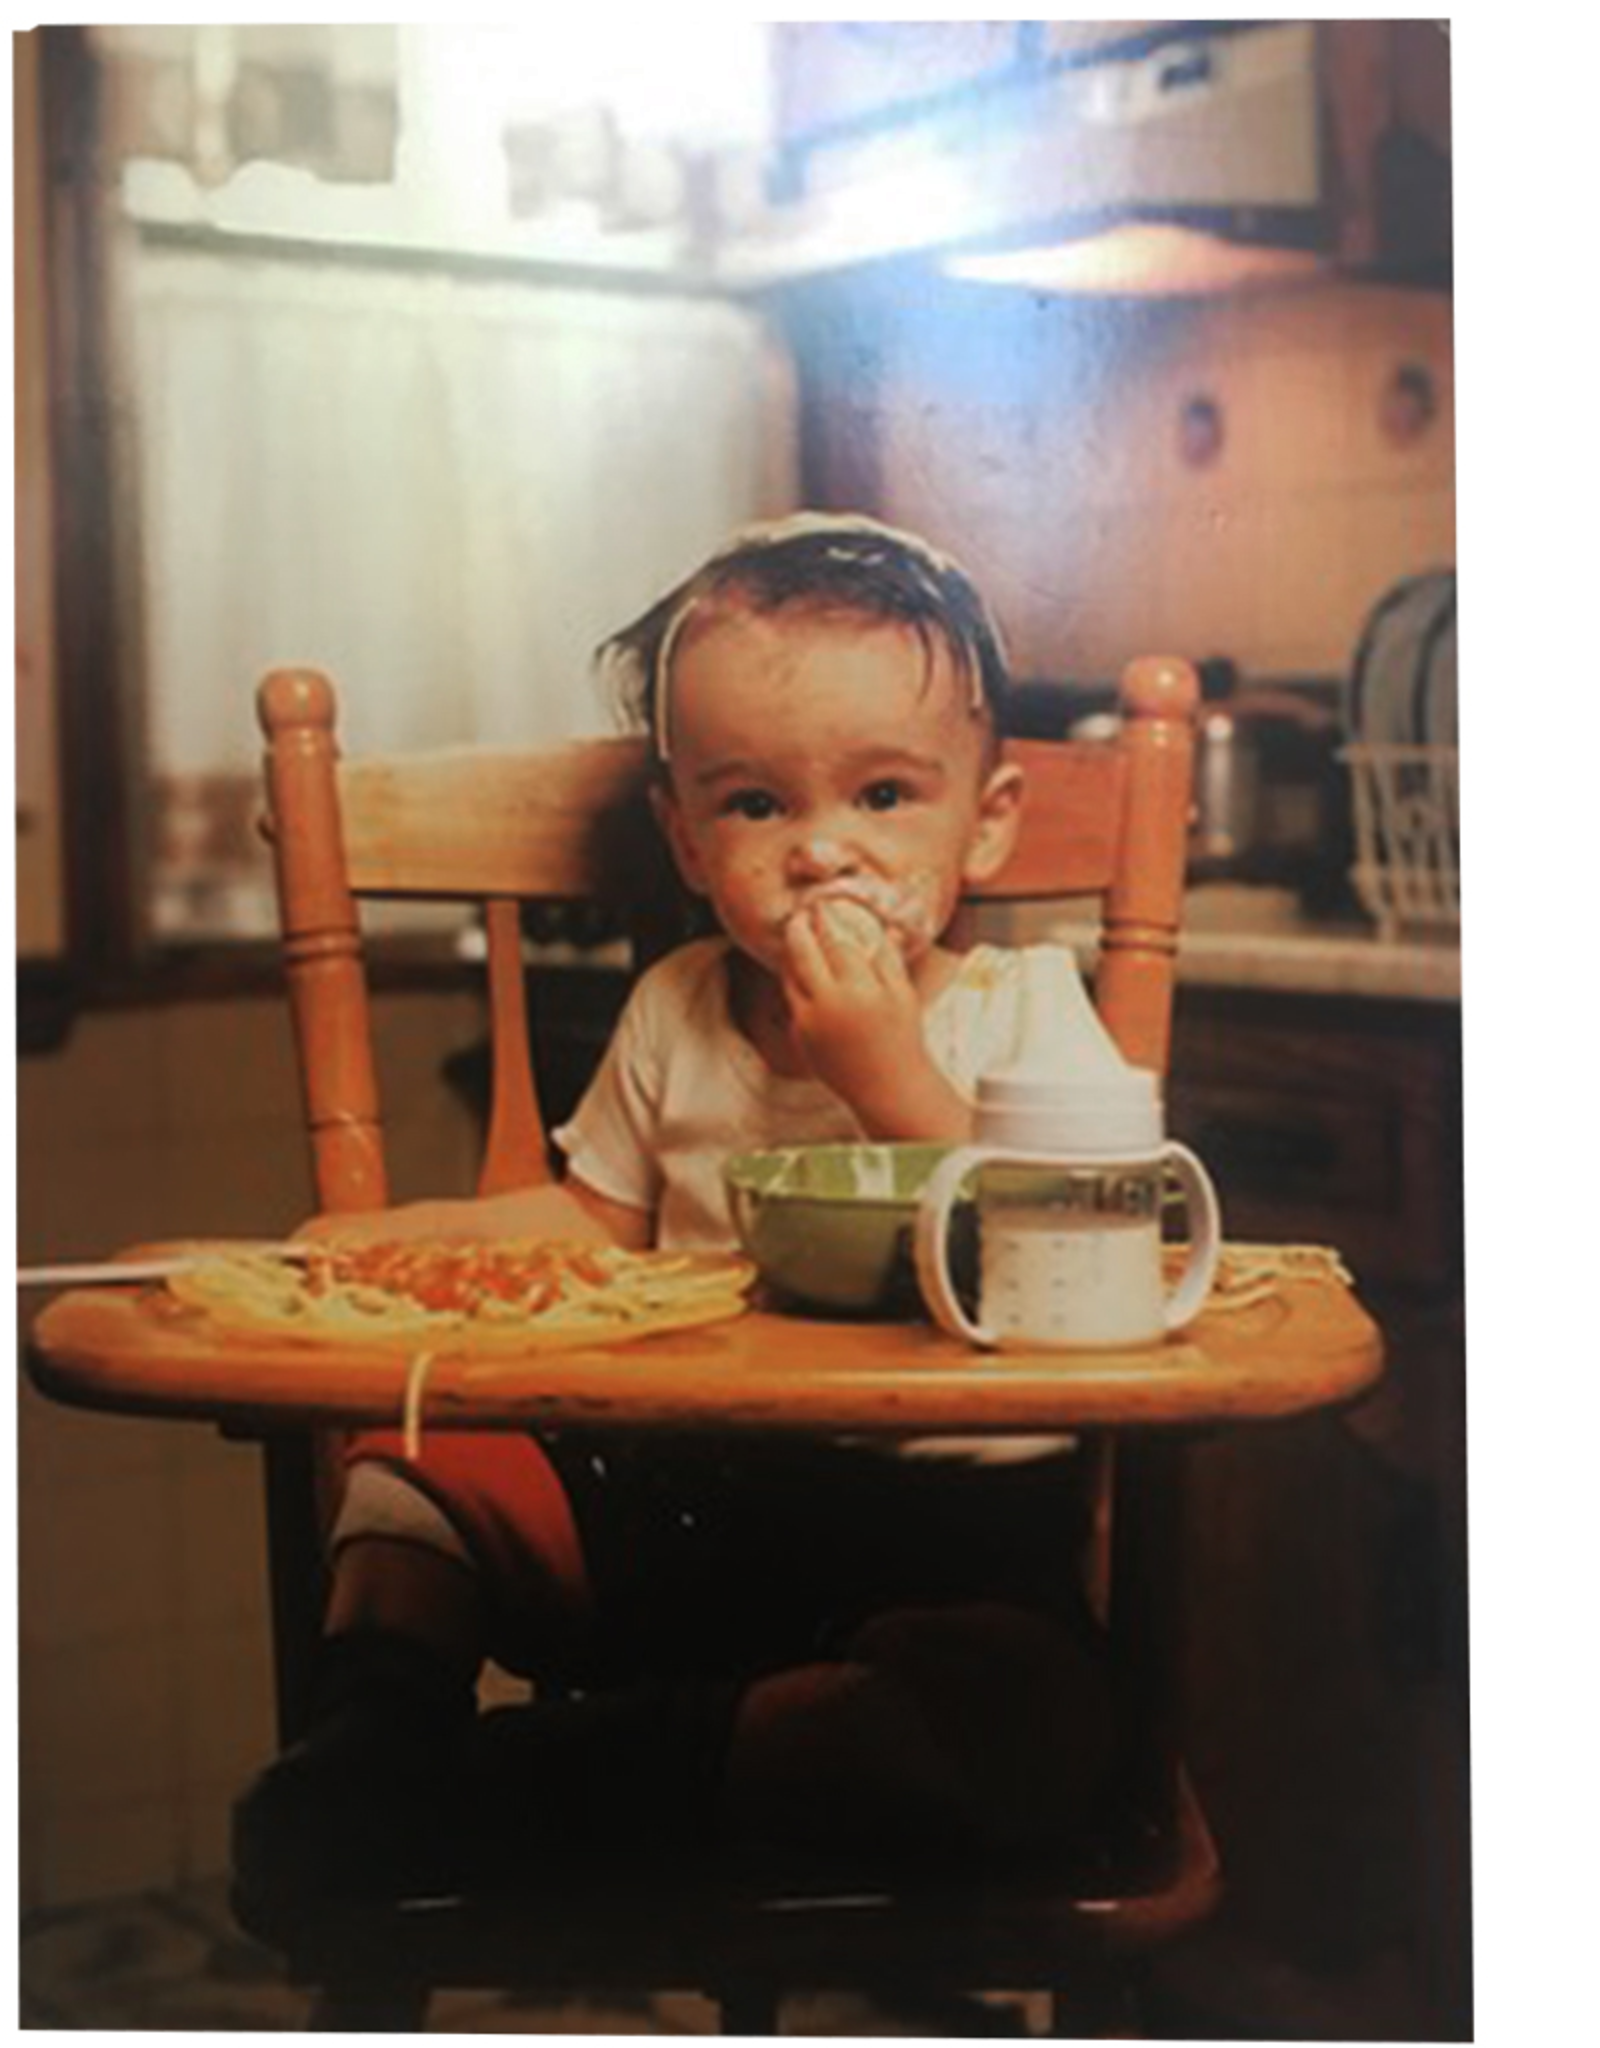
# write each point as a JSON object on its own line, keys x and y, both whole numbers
{"x": 675, "y": 830}
{"x": 994, "y": 837}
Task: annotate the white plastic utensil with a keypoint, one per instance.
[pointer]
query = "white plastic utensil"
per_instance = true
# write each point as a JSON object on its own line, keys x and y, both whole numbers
{"x": 109, "y": 1272}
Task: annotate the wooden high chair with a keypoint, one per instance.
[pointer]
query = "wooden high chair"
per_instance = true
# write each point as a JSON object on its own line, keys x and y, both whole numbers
{"x": 1107, "y": 819}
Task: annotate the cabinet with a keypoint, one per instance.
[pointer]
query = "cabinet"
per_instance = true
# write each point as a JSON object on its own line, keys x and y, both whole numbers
{"x": 1358, "y": 141}
{"x": 832, "y": 74}
{"x": 829, "y": 74}
{"x": 1329, "y": 1121}
{"x": 1386, "y": 95}
{"x": 1323, "y": 1668}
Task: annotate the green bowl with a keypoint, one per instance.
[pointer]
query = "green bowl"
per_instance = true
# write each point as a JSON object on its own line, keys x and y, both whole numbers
{"x": 831, "y": 1226}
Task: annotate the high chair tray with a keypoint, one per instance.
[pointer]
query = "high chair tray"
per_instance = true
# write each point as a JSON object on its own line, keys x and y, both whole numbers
{"x": 134, "y": 1349}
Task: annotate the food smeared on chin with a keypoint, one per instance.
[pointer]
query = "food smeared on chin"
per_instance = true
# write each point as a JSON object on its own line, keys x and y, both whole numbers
{"x": 476, "y": 1296}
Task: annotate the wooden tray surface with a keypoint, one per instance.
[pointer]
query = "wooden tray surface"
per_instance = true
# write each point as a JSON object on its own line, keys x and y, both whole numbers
{"x": 136, "y": 1350}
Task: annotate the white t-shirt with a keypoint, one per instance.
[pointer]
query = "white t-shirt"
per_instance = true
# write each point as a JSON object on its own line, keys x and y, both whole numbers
{"x": 681, "y": 1088}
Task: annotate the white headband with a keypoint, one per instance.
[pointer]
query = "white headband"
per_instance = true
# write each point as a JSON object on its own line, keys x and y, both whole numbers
{"x": 796, "y": 526}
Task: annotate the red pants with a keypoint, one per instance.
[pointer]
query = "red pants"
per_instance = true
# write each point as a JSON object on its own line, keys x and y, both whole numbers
{"x": 606, "y": 1558}
{"x": 504, "y": 1499}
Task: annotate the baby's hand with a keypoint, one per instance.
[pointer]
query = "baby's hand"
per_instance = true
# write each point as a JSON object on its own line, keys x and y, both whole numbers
{"x": 856, "y": 1015}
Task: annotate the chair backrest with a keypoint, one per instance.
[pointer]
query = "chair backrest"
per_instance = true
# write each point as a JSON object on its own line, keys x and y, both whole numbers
{"x": 1107, "y": 819}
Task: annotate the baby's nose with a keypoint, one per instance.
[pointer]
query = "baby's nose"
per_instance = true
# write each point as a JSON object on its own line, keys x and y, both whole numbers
{"x": 819, "y": 856}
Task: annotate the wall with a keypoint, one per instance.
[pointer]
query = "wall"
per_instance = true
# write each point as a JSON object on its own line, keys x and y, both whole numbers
{"x": 1039, "y": 439}
{"x": 143, "y": 1663}
{"x": 40, "y": 880}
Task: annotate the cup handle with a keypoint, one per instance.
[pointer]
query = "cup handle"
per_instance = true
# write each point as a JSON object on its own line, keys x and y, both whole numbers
{"x": 1205, "y": 1236}
{"x": 932, "y": 1244}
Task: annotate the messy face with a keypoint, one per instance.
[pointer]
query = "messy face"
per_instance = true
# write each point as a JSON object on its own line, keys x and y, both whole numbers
{"x": 817, "y": 756}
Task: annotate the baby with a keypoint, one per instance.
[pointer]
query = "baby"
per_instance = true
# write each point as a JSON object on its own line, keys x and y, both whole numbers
{"x": 835, "y": 1645}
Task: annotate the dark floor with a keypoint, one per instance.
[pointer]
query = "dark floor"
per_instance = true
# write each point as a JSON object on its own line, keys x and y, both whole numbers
{"x": 175, "y": 1962}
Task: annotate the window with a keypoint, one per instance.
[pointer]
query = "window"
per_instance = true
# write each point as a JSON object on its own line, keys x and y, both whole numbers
{"x": 443, "y": 490}
{"x": 378, "y": 406}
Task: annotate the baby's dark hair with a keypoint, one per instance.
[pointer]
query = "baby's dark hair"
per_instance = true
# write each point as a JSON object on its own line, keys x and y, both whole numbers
{"x": 824, "y": 563}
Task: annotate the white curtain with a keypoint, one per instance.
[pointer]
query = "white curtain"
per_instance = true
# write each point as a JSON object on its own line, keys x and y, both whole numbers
{"x": 443, "y": 490}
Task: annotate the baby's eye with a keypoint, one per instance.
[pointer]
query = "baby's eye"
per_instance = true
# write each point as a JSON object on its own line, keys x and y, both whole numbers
{"x": 885, "y": 795}
{"x": 755, "y": 804}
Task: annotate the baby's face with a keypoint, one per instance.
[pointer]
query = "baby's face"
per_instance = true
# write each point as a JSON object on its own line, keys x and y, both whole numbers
{"x": 814, "y": 756}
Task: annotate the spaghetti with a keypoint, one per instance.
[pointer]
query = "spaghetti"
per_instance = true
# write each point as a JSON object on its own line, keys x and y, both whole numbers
{"x": 428, "y": 1296}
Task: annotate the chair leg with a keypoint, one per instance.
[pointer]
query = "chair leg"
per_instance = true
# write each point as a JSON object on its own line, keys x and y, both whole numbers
{"x": 748, "y": 2009}
{"x": 369, "y": 2009}
{"x": 1098, "y": 2008}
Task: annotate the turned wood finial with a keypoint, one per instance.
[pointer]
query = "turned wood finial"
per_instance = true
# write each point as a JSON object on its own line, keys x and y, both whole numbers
{"x": 295, "y": 696}
{"x": 1160, "y": 686}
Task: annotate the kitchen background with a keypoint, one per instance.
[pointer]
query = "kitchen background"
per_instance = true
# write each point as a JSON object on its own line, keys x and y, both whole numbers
{"x": 348, "y": 346}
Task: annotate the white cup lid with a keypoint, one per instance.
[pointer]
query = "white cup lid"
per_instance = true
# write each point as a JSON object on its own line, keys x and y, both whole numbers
{"x": 1113, "y": 1113}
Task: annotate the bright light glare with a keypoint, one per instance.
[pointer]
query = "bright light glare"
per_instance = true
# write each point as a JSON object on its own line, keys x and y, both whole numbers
{"x": 1144, "y": 258}
{"x": 666, "y": 76}
{"x": 662, "y": 78}
{"x": 902, "y": 207}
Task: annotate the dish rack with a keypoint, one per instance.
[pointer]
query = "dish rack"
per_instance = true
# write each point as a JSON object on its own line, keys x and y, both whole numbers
{"x": 1408, "y": 836}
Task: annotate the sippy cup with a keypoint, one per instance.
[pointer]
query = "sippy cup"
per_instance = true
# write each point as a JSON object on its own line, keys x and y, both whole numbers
{"x": 1070, "y": 1177}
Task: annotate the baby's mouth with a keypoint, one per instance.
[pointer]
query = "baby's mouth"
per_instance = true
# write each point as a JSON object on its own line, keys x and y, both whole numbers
{"x": 882, "y": 899}
{"x": 903, "y": 908}
{"x": 815, "y": 898}
{"x": 870, "y": 903}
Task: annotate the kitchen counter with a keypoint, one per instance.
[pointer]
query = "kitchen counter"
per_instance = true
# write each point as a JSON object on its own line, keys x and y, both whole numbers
{"x": 1257, "y": 939}
{"x": 1233, "y": 937}
{"x": 1330, "y": 961}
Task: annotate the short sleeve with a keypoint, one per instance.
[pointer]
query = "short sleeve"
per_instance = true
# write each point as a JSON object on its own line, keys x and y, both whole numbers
{"x": 611, "y": 1140}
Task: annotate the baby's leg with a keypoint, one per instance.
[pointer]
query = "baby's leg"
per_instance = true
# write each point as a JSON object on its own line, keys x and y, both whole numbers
{"x": 958, "y": 1728}
{"x": 469, "y": 1550}
{"x": 972, "y": 1702}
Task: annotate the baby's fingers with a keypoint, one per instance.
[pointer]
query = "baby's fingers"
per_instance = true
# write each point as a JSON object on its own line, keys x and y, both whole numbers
{"x": 888, "y": 964}
{"x": 807, "y": 963}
